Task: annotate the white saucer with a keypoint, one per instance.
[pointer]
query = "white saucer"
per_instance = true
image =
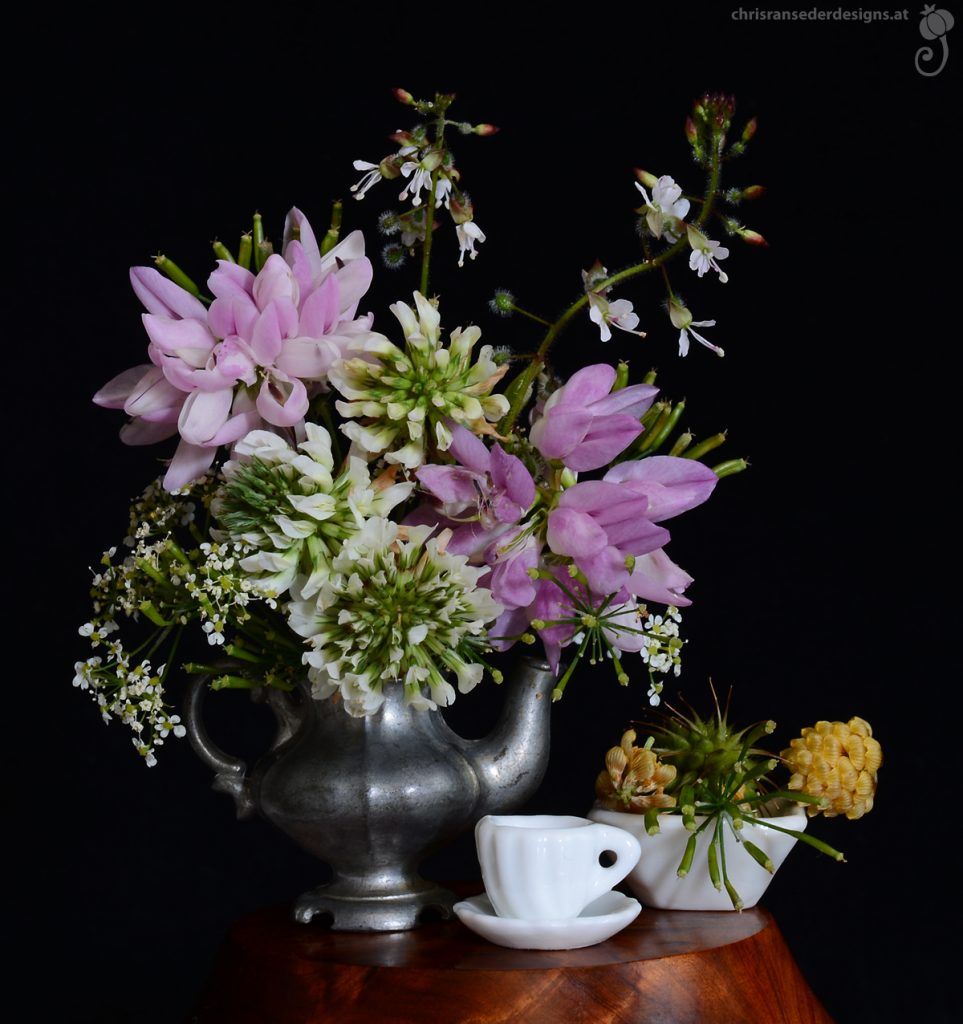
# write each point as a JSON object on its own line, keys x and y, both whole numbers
{"x": 599, "y": 921}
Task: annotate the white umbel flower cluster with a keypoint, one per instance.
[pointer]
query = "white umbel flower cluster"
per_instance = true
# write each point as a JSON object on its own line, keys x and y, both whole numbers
{"x": 396, "y": 606}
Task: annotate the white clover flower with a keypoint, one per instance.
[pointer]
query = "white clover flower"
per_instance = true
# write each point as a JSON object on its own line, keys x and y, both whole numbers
{"x": 396, "y": 606}
{"x": 284, "y": 503}
{"x": 405, "y": 398}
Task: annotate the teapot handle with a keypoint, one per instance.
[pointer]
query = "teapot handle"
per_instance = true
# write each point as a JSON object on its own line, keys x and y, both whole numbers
{"x": 230, "y": 773}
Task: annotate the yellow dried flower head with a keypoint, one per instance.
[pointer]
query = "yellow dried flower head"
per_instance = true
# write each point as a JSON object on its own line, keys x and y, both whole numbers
{"x": 837, "y": 761}
{"x": 634, "y": 778}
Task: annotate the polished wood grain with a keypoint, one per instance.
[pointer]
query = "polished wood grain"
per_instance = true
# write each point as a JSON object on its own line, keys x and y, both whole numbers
{"x": 668, "y": 967}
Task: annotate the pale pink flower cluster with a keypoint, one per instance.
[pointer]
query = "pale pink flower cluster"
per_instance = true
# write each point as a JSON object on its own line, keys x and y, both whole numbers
{"x": 252, "y": 359}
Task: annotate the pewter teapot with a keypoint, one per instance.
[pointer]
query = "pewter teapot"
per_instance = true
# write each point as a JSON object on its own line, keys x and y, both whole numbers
{"x": 374, "y": 796}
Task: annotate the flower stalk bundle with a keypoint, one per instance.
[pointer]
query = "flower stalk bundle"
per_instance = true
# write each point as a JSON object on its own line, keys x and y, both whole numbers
{"x": 369, "y": 499}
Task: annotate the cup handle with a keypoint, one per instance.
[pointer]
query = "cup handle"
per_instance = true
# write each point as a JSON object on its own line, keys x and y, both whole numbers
{"x": 626, "y": 848}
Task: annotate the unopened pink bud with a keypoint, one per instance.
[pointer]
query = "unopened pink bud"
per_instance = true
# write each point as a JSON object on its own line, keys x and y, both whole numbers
{"x": 750, "y": 130}
{"x": 752, "y": 237}
{"x": 403, "y": 96}
{"x": 753, "y": 192}
{"x": 691, "y": 132}
{"x": 485, "y": 129}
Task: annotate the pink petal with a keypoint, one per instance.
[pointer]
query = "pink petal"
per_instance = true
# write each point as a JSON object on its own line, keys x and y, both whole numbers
{"x": 305, "y": 358}
{"x": 510, "y": 623}
{"x": 204, "y": 414}
{"x": 275, "y": 281}
{"x": 605, "y": 570}
{"x": 634, "y": 401}
{"x": 510, "y": 475}
{"x": 453, "y": 485}
{"x": 188, "y": 340}
{"x": 230, "y": 281}
{"x": 188, "y": 379}
{"x": 300, "y": 266}
{"x": 574, "y": 533}
{"x": 588, "y": 385}
{"x": 637, "y": 536}
{"x": 657, "y": 578}
{"x": 236, "y": 427}
{"x": 160, "y": 295}
{"x": 281, "y": 401}
{"x": 605, "y": 439}
{"x": 266, "y": 336}
{"x": 233, "y": 314}
{"x": 190, "y": 461}
{"x": 320, "y": 310}
{"x": 672, "y": 485}
{"x": 139, "y": 432}
{"x": 306, "y": 241}
{"x": 153, "y": 395}
{"x": 354, "y": 279}
{"x": 117, "y": 390}
{"x": 469, "y": 449}
{"x": 592, "y": 496}
{"x": 560, "y": 430}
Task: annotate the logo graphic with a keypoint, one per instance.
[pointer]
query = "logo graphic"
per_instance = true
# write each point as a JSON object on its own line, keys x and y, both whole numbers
{"x": 935, "y": 25}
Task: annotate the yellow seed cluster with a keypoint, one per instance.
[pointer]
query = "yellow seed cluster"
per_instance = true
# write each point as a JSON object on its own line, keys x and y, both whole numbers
{"x": 634, "y": 778}
{"x": 838, "y": 761}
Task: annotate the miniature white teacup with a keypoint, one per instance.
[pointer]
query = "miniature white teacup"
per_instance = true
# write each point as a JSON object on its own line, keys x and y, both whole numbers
{"x": 546, "y": 867}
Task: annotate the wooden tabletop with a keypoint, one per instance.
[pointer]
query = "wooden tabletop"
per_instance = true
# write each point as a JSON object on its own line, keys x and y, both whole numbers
{"x": 667, "y": 967}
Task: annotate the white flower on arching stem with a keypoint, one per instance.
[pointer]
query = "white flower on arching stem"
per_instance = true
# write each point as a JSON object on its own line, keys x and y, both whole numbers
{"x": 682, "y": 319}
{"x": 665, "y": 207}
{"x": 706, "y": 253}
{"x": 618, "y": 313}
{"x": 370, "y": 178}
{"x": 468, "y": 234}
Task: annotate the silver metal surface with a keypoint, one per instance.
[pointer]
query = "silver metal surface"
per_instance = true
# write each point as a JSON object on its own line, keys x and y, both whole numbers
{"x": 374, "y": 796}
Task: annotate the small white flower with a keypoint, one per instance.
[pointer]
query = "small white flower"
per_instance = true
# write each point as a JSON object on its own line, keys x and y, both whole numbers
{"x": 420, "y": 178}
{"x": 682, "y": 319}
{"x": 665, "y": 207}
{"x": 705, "y": 254}
{"x": 602, "y": 312}
{"x": 618, "y": 313}
{"x": 468, "y": 234}
{"x": 371, "y": 177}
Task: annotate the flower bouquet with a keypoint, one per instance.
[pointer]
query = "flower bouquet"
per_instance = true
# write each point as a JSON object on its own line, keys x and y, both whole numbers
{"x": 367, "y": 510}
{"x": 376, "y": 508}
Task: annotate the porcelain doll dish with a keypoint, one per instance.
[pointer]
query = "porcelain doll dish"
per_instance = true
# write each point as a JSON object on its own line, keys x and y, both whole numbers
{"x": 599, "y": 921}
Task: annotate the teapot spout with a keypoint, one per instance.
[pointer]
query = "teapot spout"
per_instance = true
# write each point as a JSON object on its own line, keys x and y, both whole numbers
{"x": 511, "y": 761}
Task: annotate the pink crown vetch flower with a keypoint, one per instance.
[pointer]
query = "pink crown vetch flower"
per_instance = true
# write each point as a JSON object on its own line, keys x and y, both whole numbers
{"x": 219, "y": 373}
{"x": 585, "y": 424}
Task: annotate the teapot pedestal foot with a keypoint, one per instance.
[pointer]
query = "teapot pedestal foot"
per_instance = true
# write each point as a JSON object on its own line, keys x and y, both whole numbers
{"x": 354, "y": 908}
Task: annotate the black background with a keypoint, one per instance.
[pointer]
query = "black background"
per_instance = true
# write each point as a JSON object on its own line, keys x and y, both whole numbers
{"x": 823, "y": 575}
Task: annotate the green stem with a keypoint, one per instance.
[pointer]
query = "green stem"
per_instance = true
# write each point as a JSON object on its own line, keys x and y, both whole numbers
{"x": 803, "y": 837}
{"x": 529, "y": 374}
{"x": 531, "y": 316}
{"x": 429, "y": 234}
{"x": 712, "y": 187}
